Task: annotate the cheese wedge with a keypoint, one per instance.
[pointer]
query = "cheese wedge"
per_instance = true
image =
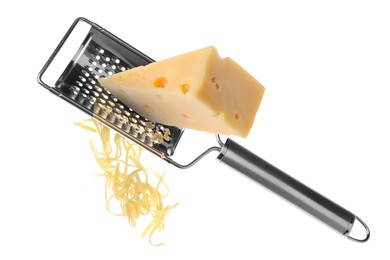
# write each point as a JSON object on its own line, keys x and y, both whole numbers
{"x": 197, "y": 90}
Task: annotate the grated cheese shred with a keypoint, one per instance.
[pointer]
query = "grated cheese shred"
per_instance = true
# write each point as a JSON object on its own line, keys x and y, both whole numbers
{"x": 129, "y": 191}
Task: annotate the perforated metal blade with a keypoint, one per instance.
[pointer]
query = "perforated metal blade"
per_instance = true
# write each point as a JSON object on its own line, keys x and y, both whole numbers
{"x": 102, "y": 54}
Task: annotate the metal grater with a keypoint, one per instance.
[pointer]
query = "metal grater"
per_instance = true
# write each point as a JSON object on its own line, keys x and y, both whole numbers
{"x": 102, "y": 54}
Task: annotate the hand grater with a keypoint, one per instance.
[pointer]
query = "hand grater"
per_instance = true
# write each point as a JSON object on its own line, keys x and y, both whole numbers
{"x": 101, "y": 54}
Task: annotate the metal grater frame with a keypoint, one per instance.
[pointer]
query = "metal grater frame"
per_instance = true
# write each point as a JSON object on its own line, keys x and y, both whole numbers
{"x": 102, "y": 54}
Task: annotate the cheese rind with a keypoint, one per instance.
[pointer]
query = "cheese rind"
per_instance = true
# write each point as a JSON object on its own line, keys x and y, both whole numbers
{"x": 197, "y": 90}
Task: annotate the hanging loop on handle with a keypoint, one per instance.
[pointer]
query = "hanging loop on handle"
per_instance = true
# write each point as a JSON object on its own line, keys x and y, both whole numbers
{"x": 368, "y": 233}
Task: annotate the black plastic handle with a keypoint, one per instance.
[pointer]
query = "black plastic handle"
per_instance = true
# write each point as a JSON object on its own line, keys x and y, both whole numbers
{"x": 287, "y": 187}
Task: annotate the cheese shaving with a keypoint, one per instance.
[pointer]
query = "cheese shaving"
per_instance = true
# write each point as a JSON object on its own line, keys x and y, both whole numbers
{"x": 128, "y": 189}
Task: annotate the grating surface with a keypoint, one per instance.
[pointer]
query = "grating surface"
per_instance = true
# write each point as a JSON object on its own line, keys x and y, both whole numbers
{"x": 100, "y": 56}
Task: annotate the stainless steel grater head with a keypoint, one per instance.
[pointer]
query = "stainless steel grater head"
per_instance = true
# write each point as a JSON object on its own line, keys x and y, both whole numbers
{"x": 102, "y": 54}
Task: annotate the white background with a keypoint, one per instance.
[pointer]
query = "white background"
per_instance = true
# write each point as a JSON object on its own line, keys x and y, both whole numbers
{"x": 324, "y": 119}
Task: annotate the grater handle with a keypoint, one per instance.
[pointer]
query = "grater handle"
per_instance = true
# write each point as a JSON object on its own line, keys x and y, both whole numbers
{"x": 249, "y": 164}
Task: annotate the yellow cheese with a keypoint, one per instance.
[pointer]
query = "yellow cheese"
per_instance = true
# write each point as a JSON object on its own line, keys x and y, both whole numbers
{"x": 197, "y": 90}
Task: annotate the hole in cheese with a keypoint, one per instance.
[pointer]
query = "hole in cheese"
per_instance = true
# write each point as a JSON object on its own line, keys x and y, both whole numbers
{"x": 213, "y": 79}
{"x": 160, "y": 82}
{"x": 184, "y": 115}
{"x": 237, "y": 116}
{"x": 184, "y": 88}
{"x": 150, "y": 108}
{"x": 217, "y": 86}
